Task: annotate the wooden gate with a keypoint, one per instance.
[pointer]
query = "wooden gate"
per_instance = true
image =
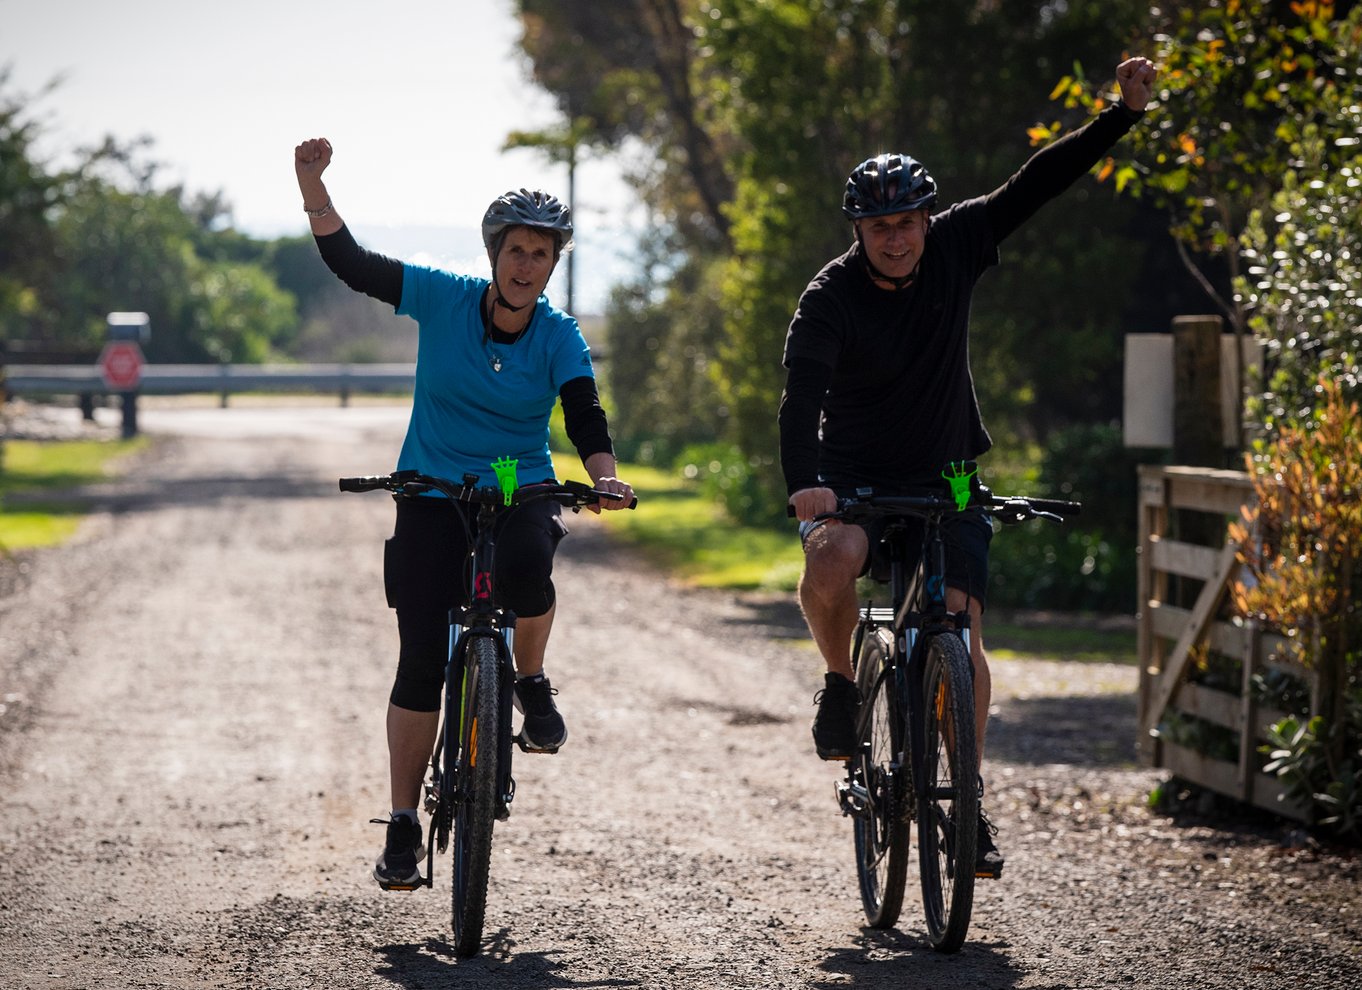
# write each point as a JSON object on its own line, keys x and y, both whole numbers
{"x": 1186, "y": 567}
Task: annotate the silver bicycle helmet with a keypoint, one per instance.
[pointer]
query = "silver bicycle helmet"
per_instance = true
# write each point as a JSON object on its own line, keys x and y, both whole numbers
{"x": 526, "y": 208}
{"x": 885, "y": 184}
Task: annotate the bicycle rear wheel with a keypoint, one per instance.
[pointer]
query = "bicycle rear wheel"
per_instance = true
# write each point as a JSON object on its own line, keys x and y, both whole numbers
{"x": 881, "y": 824}
{"x": 948, "y": 810}
{"x": 475, "y": 799}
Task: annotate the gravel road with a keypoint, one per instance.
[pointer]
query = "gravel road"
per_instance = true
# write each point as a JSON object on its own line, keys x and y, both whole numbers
{"x": 191, "y": 748}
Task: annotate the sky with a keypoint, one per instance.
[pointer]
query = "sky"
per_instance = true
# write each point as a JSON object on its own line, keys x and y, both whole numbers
{"x": 416, "y": 98}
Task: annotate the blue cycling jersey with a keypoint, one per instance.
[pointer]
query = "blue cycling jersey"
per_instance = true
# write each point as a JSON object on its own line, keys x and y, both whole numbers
{"x": 477, "y": 400}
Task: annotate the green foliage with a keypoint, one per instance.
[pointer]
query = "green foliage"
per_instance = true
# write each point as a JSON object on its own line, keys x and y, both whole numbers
{"x": 1088, "y": 563}
{"x": 1298, "y": 753}
{"x": 1303, "y": 285}
{"x": 78, "y": 244}
{"x": 28, "y": 191}
{"x": 661, "y": 359}
{"x": 1241, "y": 82}
{"x": 731, "y": 480}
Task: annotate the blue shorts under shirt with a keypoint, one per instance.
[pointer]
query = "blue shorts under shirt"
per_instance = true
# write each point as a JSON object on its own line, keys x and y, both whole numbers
{"x": 465, "y": 413}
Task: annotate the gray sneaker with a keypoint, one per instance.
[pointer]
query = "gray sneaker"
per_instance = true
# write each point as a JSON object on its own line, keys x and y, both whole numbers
{"x": 543, "y": 730}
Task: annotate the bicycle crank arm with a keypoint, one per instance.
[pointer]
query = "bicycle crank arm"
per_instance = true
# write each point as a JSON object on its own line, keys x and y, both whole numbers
{"x": 852, "y": 798}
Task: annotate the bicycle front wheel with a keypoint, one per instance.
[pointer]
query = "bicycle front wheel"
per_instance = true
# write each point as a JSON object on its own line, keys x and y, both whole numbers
{"x": 880, "y": 821}
{"x": 475, "y": 797}
{"x": 948, "y": 800}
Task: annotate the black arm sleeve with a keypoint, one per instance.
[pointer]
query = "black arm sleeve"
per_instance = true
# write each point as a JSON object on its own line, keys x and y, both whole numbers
{"x": 364, "y": 271}
{"x": 801, "y": 409}
{"x": 584, "y": 418}
{"x": 1055, "y": 168}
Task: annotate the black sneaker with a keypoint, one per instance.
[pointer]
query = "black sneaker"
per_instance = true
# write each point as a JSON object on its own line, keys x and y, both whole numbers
{"x": 988, "y": 861}
{"x": 398, "y": 868}
{"x": 834, "y": 727}
{"x": 543, "y": 730}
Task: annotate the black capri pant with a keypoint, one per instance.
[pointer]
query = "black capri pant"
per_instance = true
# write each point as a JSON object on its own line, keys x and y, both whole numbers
{"x": 425, "y": 575}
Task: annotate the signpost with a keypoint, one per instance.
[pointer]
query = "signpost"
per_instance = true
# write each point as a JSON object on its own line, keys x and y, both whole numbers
{"x": 120, "y": 363}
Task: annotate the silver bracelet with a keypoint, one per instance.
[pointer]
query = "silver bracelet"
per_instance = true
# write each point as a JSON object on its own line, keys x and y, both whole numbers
{"x": 318, "y": 214}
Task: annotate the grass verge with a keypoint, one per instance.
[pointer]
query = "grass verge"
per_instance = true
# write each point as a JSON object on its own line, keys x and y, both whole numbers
{"x": 44, "y": 473}
{"x": 680, "y": 530}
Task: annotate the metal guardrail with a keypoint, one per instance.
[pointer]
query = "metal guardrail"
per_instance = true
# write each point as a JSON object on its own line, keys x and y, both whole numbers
{"x": 223, "y": 379}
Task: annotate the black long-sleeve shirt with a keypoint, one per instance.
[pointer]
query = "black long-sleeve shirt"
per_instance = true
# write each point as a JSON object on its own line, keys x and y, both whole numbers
{"x": 878, "y": 388}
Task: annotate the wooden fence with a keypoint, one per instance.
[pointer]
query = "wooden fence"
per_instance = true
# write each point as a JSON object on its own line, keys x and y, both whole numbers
{"x": 1186, "y": 568}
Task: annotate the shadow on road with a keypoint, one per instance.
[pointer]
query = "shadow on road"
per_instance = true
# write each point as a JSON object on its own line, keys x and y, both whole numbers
{"x": 146, "y": 494}
{"x": 905, "y": 962}
{"x": 1087, "y": 730}
{"x": 432, "y": 964}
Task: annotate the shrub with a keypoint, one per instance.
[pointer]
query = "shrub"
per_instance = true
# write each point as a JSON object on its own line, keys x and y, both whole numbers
{"x": 1299, "y": 544}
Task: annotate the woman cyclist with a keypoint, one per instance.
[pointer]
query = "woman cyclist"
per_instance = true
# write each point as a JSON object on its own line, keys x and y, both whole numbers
{"x": 493, "y": 357}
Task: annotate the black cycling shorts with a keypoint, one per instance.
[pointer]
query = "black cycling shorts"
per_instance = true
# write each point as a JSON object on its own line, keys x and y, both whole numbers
{"x": 967, "y": 535}
{"x": 425, "y": 575}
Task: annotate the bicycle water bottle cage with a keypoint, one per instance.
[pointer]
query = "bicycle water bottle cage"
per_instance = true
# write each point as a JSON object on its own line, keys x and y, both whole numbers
{"x": 958, "y": 475}
{"x": 505, "y": 467}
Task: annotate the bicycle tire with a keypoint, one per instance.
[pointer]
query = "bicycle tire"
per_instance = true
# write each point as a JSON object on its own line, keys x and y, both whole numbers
{"x": 948, "y": 809}
{"x": 475, "y": 799}
{"x": 881, "y": 831}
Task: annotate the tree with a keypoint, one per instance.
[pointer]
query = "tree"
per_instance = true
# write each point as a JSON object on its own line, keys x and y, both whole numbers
{"x": 28, "y": 193}
{"x": 1302, "y": 284}
{"x": 1240, "y": 83}
{"x": 763, "y": 108}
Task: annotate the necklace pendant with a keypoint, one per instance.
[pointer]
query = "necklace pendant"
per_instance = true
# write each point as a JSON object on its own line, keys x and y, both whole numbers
{"x": 496, "y": 363}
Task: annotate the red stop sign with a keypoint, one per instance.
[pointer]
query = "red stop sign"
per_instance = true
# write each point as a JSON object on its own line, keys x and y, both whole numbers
{"x": 121, "y": 365}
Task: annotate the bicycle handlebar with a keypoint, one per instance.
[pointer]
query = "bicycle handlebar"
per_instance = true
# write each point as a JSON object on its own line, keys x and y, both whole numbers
{"x": 1005, "y": 508}
{"x": 411, "y": 483}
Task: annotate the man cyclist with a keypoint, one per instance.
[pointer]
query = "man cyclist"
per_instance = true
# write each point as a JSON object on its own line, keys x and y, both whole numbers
{"x": 879, "y": 392}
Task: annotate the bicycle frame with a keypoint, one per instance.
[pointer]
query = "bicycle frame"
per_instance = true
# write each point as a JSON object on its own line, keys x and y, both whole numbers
{"x": 917, "y": 612}
{"x": 917, "y": 759}
{"x": 480, "y": 617}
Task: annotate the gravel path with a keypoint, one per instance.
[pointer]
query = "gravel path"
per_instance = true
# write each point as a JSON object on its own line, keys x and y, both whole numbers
{"x": 191, "y": 749}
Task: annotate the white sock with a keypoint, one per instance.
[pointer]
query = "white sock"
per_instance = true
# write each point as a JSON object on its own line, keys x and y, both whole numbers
{"x": 410, "y": 813}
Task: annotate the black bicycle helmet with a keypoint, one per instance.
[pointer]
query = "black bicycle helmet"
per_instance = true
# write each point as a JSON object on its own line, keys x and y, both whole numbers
{"x": 885, "y": 184}
{"x": 527, "y": 208}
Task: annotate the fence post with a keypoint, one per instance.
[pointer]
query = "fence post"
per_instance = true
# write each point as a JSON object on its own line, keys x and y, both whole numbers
{"x": 1197, "y": 430}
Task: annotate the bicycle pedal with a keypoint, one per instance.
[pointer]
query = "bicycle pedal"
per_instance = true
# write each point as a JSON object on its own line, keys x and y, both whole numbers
{"x": 526, "y": 747}
{"x": 404, "y": 888}
{"x": 851, "y": 798}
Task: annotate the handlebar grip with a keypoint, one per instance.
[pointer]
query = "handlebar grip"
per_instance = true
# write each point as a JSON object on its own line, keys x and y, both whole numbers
{"x": 1057, "y": 506}
{"x": 365, "y": 484}
{"x": 612, "y": 497}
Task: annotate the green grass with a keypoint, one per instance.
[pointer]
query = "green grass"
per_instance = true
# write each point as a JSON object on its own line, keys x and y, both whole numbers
{"x": 1060, "y": 637}
{"x": 685, "y": 533}
{"x": 34, "y": 469}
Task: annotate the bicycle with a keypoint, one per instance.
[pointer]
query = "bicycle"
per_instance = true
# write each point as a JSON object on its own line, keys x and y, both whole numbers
{"x": 917, "y": 759}
{"x": 470, "y": 786}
